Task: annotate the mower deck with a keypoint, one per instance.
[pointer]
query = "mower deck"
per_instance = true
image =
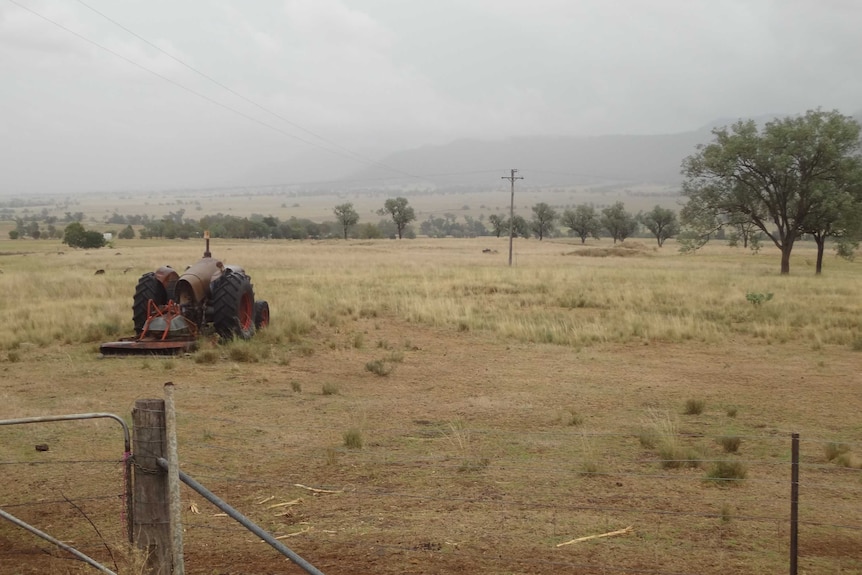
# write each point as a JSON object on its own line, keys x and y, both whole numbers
{"x": 135, "y": 346}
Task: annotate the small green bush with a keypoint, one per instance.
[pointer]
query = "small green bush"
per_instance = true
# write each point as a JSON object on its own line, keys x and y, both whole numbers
{"x": 757, "y": 299}
{"x": 296, "y": 386}
{"x": 694, "y": 406}
{"x": 732, "y": 411}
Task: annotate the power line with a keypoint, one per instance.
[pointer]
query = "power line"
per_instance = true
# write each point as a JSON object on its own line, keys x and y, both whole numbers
{"x": 238, "y": 95}
{"x": 348, "y": 155}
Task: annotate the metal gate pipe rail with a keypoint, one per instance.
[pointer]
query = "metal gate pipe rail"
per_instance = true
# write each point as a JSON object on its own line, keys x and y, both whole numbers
{"x": 57, "y": 542}
{"x": 127, "y": 449}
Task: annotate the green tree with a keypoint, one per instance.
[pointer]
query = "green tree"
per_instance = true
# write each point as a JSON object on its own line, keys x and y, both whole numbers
{"x": 619, "y": 223}
{"x": 14, "y": 234}
{"x": 662, "y": 222}
{"x": 544, "y": 217}
{"x": 520, "y": 227}
{"x": 783, "y": 178}
{"x": 499, "y": 224}
{"x": 127, "y": 233}
{"x": 400, "y": 212}
{"x": 346, "y": 216}
{"x": 76, "y": 236}
{"x": 583, "y": 221}
{"x": 838, "y": 215}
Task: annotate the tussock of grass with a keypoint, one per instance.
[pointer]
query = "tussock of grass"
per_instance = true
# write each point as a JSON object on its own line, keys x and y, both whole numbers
{"x": 727, "y": 472}
{"x": 833, "y": 450}
{"x": 330, "y": 389}
{"x": 379, "y": 367}
{"x": 694, "y": 406}
{"x": 241, "y": 352}
{"x": 206, "y": 356}
{"x": 353, "y": 439}
{"x": 730, "y": 443}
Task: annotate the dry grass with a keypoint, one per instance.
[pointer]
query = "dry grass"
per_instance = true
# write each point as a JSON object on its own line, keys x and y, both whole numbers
{"x": 466, "y": 463}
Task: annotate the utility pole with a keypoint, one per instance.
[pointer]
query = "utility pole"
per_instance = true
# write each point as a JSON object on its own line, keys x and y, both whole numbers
{"x": 512, "y": 179}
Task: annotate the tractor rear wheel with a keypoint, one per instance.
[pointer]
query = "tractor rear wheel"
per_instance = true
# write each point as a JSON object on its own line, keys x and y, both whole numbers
{"x": 261, "y": 314}
{"x": 233, "y": 306}
{"x": 148, "y": 288}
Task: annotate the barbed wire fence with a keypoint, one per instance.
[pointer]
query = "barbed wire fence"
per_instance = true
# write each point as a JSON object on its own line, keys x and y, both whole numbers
{"x": 437, "y": 495}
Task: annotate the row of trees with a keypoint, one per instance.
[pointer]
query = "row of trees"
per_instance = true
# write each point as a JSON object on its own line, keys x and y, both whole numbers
{"x": 585, "y": 221}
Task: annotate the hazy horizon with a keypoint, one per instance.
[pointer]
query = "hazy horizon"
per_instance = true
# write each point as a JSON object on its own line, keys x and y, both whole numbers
{"x": 89, "y": 104}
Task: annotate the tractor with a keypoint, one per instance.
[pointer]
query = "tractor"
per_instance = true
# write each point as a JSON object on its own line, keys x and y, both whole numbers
{"x": 170, "y": 310}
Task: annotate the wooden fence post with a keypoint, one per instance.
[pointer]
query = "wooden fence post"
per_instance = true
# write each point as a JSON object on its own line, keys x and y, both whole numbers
{"x": 151, "y": 529}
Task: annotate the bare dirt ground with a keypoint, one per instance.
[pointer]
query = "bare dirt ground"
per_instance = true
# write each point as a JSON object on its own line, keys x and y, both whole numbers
{"x": 471, "y": 462}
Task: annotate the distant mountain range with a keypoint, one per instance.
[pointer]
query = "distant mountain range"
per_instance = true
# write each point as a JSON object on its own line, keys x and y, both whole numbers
{"x": 545, "y": 160}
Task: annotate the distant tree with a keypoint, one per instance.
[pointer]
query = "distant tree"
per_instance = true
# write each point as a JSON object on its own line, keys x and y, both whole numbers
{"x": 787, "y": 178}
{"x": 662, "y": 222}
{"x": 583, "y": 221}
{"x": 369, "y": 232}
{"x": 346, "y": 216}
{"x": 127, "y": 233}
{"x": 14, "y": 235}
{"x": 499, "y": 224}
{"x": 618, "y": 222}
{"x": 520, "y": 227}
{"x": 76, "y": 236}
{"x": 544, "y": 217}
{"x": 400, "y": 212}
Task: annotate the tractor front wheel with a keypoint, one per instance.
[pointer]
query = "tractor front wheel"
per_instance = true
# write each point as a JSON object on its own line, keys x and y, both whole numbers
{"x": 148, "y": 288}
{"x": 261, "y": 314}
{"x": 233, "y": 306}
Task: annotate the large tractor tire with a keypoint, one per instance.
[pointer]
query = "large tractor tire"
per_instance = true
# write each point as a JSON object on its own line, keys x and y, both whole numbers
{"x": 261, "y": 314}
{"x": 233, "y": 306}
{"x": 148, "y": 288}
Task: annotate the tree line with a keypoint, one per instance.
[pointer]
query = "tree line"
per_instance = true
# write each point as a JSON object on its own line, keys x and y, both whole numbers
{"x": 793, "y": 178}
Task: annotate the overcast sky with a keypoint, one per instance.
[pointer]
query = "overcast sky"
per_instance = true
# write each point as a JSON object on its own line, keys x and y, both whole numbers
{"x": 372, "y": 76}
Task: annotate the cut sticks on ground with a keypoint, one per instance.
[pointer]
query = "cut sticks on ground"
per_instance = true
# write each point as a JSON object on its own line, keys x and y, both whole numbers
{"x": 316, "y": 490}
{"x": 589, "y": 537}
{"x": 286, "y": 503}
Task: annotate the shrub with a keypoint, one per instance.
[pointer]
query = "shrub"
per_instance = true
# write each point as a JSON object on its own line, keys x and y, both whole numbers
{"x": 727, "y": 472}
{"x": 731, "y": 411}
{"x": 296, "y": 386}
{"x": 757, "y": 299}
{"x": 694, "y": 406}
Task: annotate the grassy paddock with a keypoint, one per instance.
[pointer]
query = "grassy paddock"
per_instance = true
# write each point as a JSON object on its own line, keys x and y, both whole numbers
{"x": 552, "y": 295}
